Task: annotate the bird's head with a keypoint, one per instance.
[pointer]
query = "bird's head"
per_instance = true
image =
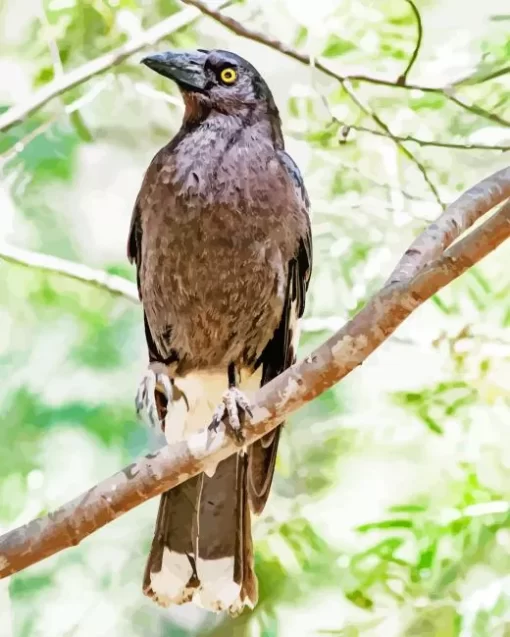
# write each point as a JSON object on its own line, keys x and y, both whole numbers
{"x": 215, "y": 80}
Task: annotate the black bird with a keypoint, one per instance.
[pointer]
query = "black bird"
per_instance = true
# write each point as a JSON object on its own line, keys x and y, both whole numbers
{"x": 221, "y": 238}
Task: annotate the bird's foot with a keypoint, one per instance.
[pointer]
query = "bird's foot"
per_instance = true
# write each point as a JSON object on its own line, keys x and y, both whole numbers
{"x": 146, "y": 400}
{"x": 234, "y": 408}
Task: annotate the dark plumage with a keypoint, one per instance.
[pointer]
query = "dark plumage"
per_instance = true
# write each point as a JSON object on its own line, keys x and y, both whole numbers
{"x": 220, "y": 235}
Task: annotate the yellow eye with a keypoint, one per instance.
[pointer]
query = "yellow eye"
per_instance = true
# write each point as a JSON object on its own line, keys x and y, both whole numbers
{"x": 228, "y": 76}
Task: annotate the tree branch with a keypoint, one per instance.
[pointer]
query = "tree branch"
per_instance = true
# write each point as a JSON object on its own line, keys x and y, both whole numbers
{"x": 480, "y": 78}
{"x": 420, "y": 142}
{"x": 477, "y": 110}
{"x": 112, "y": 283}
{"x": 388, "y": 133}
{"x": 402, "y": 79}
{"x": 240, "y": 30}
{"x": 117, "y": 285}
{"x": 332, "y": 361}
{"x": 71, "y": 108}
{"x": 455, "y": 220}
{"x": 60, "y": 85}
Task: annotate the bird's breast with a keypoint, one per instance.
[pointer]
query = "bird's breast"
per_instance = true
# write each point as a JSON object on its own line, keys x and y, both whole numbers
{"x": 217, "y": 238}
{"x": 214, "y": 284}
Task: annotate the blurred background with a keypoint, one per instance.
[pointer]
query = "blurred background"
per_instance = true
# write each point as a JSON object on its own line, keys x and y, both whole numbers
{"x": 390, "y": 514}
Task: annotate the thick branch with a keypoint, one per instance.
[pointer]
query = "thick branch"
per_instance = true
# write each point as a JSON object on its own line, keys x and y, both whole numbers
{"x": 60, "y": 85}
{"x": 454, "y": 221}
{"x": 429, "y": 245}
{"x": 163, "y": 470}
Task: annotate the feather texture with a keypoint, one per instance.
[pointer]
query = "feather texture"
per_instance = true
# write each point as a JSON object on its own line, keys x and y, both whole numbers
{"x": 220, "y": 236}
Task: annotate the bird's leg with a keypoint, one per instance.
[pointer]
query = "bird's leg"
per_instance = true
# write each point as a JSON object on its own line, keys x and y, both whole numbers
{"x": 233, "y": 408}
{"x": 155, "y": 391}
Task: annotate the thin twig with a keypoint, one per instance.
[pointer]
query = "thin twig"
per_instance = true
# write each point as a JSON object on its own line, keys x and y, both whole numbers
{"x": 237, "y": 28}
{"x": 58, "y": 69}
{"x": 16, "y": 114}
{"x": 386, "y": 132}
{"x": 424, "y": 142}
{"x": 21, "y": 144}
{"x": 60, "y": 85}
{"x": 173, "y": 464}
{"x": 402, "y": 79}
{"x": 368, "y": 111}
{"x": 116, "y": 285}
{"x": 477, "y": 110}
{"x": 112, "y": 283}
{"x": 479, "y": 78}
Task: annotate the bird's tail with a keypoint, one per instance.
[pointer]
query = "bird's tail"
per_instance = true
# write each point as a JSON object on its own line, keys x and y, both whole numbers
{"x": 202, "y": 549}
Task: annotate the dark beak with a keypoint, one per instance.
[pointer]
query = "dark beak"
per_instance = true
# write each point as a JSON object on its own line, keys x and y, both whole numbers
{"x": 187, "y": 69}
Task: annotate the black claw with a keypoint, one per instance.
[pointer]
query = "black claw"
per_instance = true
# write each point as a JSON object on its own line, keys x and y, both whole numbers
{"x": 214, "y": 426}
{"x": 238, "y": 437}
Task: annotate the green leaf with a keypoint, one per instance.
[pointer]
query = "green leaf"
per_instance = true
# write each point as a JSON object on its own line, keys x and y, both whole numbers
{"x": 301, "y": 36}
{"x": 361, "y": 600}
{"x": 407, "y": 508}
{"x": 337, "y": 46}
{"x": 386, "y": 524}
{"x": 80, "y": 127}
{"x": 50, "y": 155}
{"x": 431, "y": 423}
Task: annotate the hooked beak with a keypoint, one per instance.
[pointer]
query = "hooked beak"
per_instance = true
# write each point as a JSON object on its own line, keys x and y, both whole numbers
{"x": 186, "y": 69}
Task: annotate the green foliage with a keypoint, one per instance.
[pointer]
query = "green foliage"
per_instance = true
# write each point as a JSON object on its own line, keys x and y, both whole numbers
{"x": 390, "y": 510}
{"x": 336, "y": 46}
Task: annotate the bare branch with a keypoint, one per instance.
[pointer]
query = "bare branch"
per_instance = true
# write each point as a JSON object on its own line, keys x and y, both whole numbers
{"x": 332, "y": 361}
{"x": 117, "y": 285}
{"x": 60, "y": 85}
{"x": 477, "y": 110}
{"x": 237, "y": 28}
{"x": 429, "y": 245}
{"x": 480, "y": 78}
{"x": 385, "y": 128}
{"x": 455, "y": 220}
{"x": 112, "y": 283}
{"x": 402, "y": 79}
{"x": 58, "y": 69}
{"x": 423, "y": 142}
{"x": 21, "y": 144}
{"x": 385, "y": 132}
